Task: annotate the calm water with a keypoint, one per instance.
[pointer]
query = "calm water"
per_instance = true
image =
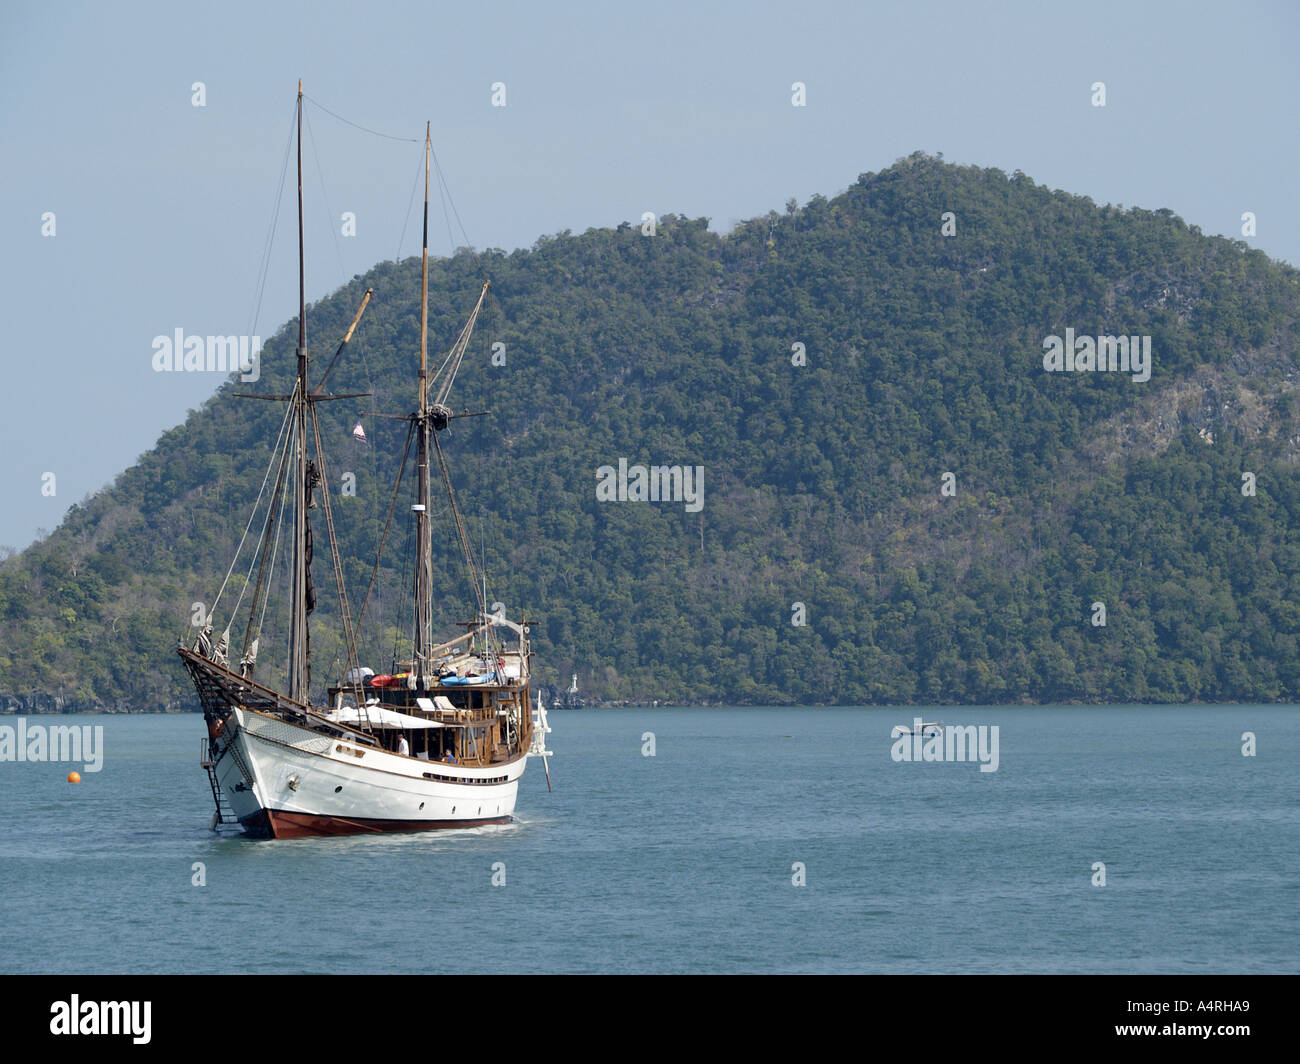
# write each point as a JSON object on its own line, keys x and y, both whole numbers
{"x": 682, "y": 862}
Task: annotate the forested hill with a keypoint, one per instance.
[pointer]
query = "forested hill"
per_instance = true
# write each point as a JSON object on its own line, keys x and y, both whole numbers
{"x": 884, "y": 458}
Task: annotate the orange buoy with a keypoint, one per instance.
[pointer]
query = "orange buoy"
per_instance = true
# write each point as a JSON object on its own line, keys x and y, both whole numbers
{"x": 74, "y": 777}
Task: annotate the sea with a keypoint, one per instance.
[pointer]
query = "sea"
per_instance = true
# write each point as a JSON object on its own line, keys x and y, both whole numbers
{"x": 1126, "y": 839}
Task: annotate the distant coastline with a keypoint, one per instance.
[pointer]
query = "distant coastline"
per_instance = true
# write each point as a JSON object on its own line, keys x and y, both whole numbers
{"x": 72, "y": 707}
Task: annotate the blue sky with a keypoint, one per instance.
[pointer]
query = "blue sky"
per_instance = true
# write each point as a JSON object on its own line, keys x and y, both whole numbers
{"x": 162, "y": 208}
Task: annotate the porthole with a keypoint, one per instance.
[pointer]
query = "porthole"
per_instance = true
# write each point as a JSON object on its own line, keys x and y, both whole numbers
{"x": 421, "y": 805}
{"x": 338, "y": 788}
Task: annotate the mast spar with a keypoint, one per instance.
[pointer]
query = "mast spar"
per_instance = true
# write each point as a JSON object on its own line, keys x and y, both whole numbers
{"x": 299, "y": 637}
{"x": 423, "y": 560}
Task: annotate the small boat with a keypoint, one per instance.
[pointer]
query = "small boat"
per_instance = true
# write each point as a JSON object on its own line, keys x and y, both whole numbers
{"x": 926, "y": 728}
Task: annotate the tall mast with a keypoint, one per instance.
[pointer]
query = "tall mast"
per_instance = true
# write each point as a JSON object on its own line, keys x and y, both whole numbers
{"x": 423, "y": 562}
{"x": 299, "y": 654}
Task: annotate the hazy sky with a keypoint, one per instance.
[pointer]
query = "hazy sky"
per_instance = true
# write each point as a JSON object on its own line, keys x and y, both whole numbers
{"x": 161, "y": 208}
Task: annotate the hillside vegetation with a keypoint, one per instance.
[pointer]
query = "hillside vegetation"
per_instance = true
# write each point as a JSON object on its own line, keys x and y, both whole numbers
{"x": 822, "y": 482}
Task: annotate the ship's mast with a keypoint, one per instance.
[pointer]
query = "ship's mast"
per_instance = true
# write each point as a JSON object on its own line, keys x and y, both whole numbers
{"x": 423, "y": 561}
{"x": 299, "y": 652}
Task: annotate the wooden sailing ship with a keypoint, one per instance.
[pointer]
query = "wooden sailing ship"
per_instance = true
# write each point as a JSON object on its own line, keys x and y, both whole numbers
{"x": 439, "y": 742}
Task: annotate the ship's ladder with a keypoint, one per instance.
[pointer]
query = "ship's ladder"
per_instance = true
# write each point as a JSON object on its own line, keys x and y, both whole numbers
{"x": 224, "y": 814}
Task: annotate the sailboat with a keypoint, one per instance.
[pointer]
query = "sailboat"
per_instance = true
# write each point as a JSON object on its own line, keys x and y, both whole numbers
{"x": 440, "y": 741}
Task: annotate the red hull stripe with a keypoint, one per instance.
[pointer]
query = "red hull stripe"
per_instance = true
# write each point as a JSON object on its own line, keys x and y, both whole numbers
{"x": 279, "y": 824}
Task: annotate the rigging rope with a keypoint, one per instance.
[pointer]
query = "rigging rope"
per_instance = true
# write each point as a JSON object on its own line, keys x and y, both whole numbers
{"x": 457, "y": 352}
{"x": 460, "y": 528}
{"x": 442, "y": 182}
{"x": 349, "y": 634}
{"x": 355, "y": 125}
{"x": 253, "y": 513}
{"x": 265, "y": 264}
{"x": 379, "y": 554}
{"x": 415, "y": 183}
{"x": 325, "y": 200}
{"x": 408, "y": 554}
{"x": 269, "y": 530}
{"x": 270, "y": 576}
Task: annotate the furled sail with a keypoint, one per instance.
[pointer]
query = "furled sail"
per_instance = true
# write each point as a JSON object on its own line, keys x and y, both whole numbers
{"x": 222, "y": 654}
{"x": 249, "y": 661}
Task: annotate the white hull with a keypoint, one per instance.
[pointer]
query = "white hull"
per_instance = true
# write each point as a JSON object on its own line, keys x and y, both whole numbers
{"x": 287, "y": 780}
